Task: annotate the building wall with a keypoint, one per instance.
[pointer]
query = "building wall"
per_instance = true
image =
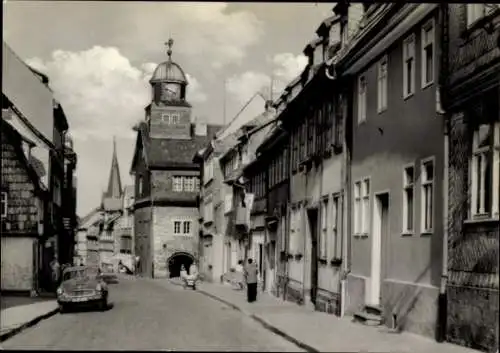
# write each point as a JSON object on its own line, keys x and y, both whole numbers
{"x": 382, "y": 146}
{"x": 162, "y": 129}
{"x": 166, "y": 243}
{"x": 143, "y": 240}
{"x": 473, "y": 263}
{"x": 17, "y": 263}
{"x": 328, "y": 275}
{"x": 162, "y": 185}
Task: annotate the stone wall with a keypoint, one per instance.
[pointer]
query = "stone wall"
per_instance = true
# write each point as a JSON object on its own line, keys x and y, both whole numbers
{"x": 17, "y": 263}
{"x": 142, "y": 224}
{"x": 166, "y": 243}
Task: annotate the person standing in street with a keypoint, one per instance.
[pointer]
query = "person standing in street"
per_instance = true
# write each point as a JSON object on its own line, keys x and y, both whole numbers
{"x": 55, "y": 267}
{"x": 251, "y": 273}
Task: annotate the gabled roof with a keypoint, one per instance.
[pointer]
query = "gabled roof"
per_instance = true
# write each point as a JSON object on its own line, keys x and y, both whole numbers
{"x": 312, "y": 45}
{"x": 170, "y": 152}
{"x": 15, "y": 138}
{"x": 84, "y": 220}
{"x": 326, "y": 24}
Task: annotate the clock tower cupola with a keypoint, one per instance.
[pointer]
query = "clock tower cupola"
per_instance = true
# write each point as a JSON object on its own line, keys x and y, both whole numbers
{"x": 169, "y": 114}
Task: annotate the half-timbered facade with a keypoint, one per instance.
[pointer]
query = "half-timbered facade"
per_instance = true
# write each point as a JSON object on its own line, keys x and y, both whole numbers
{"x": 470, "y": 99}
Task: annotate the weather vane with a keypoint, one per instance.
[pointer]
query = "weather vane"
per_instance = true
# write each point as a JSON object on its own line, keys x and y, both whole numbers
{"x": 169, "y": 51}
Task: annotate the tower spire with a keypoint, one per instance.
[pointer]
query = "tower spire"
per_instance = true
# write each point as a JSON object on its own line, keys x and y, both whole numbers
{"x": 114, "y": 189}
{"x": 169, "y": 44}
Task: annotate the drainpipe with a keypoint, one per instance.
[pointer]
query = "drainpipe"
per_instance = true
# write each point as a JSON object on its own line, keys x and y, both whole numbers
{"x": 344, "y": 221}
{"x": 442, "y": 301}
{"x": 345, "y": 200}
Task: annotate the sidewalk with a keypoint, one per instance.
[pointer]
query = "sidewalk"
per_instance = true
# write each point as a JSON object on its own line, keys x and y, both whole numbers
{"x": 15, "y": 319}
{"x": 320, "y": 332}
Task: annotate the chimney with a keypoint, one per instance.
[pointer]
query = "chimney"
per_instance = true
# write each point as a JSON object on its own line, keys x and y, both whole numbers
{"x": 269, "y": 105}
{"x": 200, "y": 127}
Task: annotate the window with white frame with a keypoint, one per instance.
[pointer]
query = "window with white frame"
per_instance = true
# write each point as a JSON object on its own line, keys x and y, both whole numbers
{"x": 186, "y": 227}
{"x": 382, "y": 85}
{"x": 485, "y": 171}
{"x": 177, "y": 184}
{"x": 3, "y": 203}
{"x": 357, "y": 207}
{"x": 362, "y": 99}
{"x": 188, "y": 183}
{"x": 366, "y": 206}
{"x": 208, "y": 173}
{"x": 174, "y": 118}
{"x": 335, "y": 224}
{"x": 323, "y": 241}
{"x": 428, "y": 39}
{"x": 165, "y": 117}
{"x": 139, "y": 182}
{"x": 477, "y": 11}
{"x": 408, "y": 198}
{"x": 177, "y": 227}
{"x": 294, "y": 230}
{"x": 228, "y": 202}
{"x": 409, "y": 66}
{"x": 208, "y": 212}
{"x": 427, "y": 177}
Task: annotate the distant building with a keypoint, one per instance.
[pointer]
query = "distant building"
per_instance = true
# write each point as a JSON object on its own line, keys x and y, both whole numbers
{"x": 166, "y": 179}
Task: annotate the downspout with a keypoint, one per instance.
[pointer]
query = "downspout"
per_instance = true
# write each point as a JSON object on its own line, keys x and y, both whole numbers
{"x": 151, "y": 235}
{"x": 443, "y": 80}
{"x": 343, "y": 104}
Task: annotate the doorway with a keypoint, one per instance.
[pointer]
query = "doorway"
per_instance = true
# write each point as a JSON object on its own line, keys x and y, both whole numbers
{"x": 312, "y": 216}
{"x": 380, "y": 234}
{"x": 176, "y": 261}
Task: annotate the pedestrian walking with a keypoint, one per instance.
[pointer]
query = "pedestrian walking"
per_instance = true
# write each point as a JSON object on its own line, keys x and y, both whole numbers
{"x": 251, "y": 273}
{"x": 137, "y": 263}
{"x": 56, "y": 268}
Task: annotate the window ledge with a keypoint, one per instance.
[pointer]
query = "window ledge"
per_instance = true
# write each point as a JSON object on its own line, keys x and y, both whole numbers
{"x": 427, "y": 85}
{"x": 427, "y": 232}
{"x": 482, "y": 219}
{"x": 408, "y": 96}
{"x": 407, "y": 233}
{"x": 381, "y": 110}
{"x": 361, "y": 235}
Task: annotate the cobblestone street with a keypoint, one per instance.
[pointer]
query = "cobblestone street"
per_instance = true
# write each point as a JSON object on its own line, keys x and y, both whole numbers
{"x": 146, "y": 315}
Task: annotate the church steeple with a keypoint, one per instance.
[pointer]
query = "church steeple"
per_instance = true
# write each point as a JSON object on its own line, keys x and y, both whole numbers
{"x": 114, "y": 189}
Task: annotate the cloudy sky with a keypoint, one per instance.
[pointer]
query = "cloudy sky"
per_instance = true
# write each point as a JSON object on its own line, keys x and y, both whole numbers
{"x": 99, "y": 57}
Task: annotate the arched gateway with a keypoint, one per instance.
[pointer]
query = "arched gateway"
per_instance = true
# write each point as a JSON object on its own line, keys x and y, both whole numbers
{"x": 175, "y": 261}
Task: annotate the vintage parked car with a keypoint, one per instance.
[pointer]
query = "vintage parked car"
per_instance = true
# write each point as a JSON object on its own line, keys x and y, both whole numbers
{"x": 82, "y": 285}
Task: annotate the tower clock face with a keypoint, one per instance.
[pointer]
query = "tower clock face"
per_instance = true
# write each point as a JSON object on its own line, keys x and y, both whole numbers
{"x": 170, "y": 91}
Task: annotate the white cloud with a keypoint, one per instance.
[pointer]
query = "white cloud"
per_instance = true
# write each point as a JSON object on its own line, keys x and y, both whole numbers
{"x": 286, "y": 67}
{"x": 102, "y": 93}
{"x": 244, "y": 86}
{"x": 205, "y": 32}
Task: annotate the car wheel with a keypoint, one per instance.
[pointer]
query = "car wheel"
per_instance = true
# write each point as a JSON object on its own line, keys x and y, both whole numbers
{"x": 63, "y": 309}
{"x": 194, "y": 286}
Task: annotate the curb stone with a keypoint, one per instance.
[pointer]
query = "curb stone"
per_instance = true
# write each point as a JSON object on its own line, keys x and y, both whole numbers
{"x": 22, "y": 327}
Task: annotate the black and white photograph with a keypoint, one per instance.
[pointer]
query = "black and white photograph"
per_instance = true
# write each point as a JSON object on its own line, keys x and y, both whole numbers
{"x": 250, "y": 176}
